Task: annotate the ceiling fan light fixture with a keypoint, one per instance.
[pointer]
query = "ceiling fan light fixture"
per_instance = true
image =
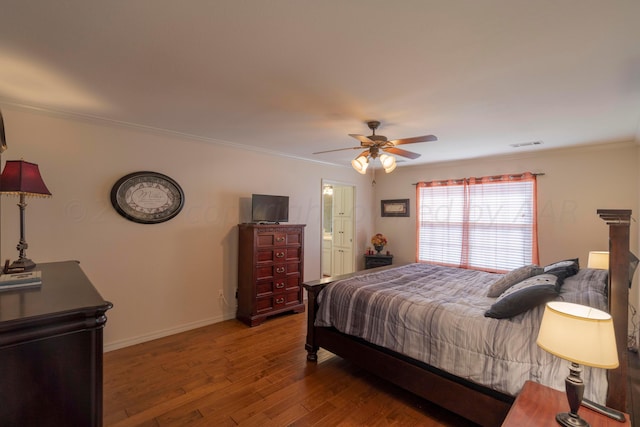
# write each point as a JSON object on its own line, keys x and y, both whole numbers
{"x": 360, "y": 164}
{"x": 388, "y": 162}
{"x": 390, "y": 168}
{"x": 375, "y": 145}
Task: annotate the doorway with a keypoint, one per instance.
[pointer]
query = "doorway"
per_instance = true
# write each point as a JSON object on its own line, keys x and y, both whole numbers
{"x": 338, "y": 228}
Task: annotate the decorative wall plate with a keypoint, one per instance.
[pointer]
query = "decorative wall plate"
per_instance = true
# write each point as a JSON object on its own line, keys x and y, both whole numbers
{"x": 147, "y": 197}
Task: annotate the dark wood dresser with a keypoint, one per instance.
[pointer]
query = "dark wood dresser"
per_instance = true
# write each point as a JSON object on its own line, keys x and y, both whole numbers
{"x": 377, "y": 260}
{"x": 270, "y": 271}
{"x": 51, "y": 350}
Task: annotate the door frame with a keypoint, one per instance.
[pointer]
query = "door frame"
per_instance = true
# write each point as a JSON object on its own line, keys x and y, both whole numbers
{"x": 323, "y": 183}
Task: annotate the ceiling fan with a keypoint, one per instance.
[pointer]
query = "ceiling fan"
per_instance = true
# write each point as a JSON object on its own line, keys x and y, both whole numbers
{"x": 380, "y": 146}
{"x": 3, "y": 139}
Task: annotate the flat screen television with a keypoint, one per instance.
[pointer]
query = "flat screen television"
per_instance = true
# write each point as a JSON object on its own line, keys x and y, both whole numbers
{"x": 270, "y": 209}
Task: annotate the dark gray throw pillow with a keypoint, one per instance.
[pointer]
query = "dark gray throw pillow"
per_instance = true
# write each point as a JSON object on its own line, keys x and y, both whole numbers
{"x": 524, "y": 296}
{"x": 511, "y": 278}
{"x": 573, "y": 262}
{"x": 563, "y": 269}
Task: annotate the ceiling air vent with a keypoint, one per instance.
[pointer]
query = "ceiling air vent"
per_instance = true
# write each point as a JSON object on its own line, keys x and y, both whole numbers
{"x": 525, "y": 144}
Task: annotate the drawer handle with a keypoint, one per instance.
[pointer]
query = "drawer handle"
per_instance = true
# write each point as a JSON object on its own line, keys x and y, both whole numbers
{"x": 279, "y": 239}
{"x": 279, "y": 285}
{"x": 279, "y": 254}
{"x": 280, "y": 270}
{"x": 279, "y": 300}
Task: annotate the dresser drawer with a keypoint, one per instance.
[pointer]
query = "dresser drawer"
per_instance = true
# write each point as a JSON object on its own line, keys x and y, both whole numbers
{"x": 278, "y": 301}
{"x": 279, "y": 285}
{"x": 281, "y": 269}
{"x": 277, "y": 254}
{"x": 278, "y": 238}
{"x": 286, "y": 269}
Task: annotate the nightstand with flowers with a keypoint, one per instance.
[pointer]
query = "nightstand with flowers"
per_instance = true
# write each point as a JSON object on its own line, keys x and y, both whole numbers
{"x": 377, "y": 259}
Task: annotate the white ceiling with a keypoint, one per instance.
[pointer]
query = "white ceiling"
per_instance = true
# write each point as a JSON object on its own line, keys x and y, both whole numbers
{"x": 296, "y": 76}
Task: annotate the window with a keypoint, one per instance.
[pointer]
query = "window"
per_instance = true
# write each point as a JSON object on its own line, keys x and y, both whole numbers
{"x": 484, "y": 223}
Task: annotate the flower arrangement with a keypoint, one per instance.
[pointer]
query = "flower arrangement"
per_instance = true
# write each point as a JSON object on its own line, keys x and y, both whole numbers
{"x": 378, "y": 240}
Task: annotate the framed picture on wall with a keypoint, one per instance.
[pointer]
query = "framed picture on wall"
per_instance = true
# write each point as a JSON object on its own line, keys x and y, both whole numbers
{"x": 397, "y": 207}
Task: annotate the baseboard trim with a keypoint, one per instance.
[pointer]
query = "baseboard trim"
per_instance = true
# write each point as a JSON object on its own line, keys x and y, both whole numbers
{"x": 115, "y": 345}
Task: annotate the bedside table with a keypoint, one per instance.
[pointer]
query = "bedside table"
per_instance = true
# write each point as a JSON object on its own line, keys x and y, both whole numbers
{"x": 373, "y": 261}
{"x": 537, "y": 405}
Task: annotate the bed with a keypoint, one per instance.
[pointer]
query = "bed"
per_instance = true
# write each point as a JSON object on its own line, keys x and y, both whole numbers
{"x": 430, "y": 360}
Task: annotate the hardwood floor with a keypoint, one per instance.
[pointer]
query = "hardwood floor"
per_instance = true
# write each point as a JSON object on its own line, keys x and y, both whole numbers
{"x": 228, "y": 374}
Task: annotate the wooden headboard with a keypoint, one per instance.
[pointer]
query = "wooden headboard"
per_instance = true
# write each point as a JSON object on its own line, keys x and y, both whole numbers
{"x": 619, "y": 222}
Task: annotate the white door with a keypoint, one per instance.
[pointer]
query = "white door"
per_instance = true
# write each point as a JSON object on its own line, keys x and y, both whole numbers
{"x": 338, "y": 227}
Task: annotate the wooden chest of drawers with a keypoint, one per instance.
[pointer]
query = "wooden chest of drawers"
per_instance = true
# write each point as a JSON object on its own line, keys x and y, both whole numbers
{"x": 270, "y": 271}
{"x": 373, "y": 261}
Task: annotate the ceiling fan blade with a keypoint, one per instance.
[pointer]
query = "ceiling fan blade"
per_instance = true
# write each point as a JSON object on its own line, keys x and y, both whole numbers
{"x": 424, "y": 138}
{"x": 3, "y": 139}
{"x": 363, "y": 139}
{"x": 337, "y": 149}
{"x": 401, "y": 152}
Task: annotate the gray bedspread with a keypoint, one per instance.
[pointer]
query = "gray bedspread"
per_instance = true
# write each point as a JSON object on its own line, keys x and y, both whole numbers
{"x": 435, "y": 314}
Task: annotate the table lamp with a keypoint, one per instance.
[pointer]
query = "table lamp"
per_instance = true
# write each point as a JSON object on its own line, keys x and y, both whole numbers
{"x": 598, "y": 259}
{"x": 584, "y": 336}
{"x": 22, "y": 179}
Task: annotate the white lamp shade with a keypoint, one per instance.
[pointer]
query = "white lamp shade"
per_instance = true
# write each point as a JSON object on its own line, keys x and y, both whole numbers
{"x": 578, "y": 333}
{"x": 391, "y": 168}
{"x": 360, "y": 164}
{"x": 388, "y": 162}
{"x": 598, "y": 259}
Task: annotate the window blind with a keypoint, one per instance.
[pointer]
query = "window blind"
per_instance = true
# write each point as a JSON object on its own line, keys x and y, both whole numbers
{"x": 486, "y": 223}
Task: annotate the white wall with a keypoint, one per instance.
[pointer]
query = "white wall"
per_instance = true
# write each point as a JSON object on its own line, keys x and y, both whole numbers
{"x": 576, "y": 183}
{"x": 161, "y": 278}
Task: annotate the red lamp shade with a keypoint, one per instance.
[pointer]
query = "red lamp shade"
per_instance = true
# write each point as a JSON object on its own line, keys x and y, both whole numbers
{"x": 20, "y": 177}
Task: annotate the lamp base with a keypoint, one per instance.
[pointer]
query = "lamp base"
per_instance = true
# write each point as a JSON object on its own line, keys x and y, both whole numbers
{"x": 568, "y": 420}
{"x": 22, "y": 264}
